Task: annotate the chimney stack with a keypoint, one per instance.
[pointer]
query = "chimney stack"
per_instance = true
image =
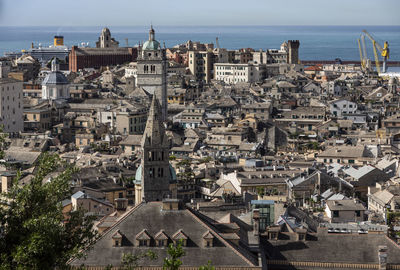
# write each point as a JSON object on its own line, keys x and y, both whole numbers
{"x": 382, "y": 257}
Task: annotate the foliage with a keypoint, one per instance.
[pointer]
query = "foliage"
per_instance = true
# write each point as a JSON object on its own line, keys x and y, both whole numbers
{"x": 205, "y": 160}
{"x": 172, "y": 157}
{"x": 35, "y": 233}
{"x": 294, "y": 135}
{"x": 207, "y": 267}
{"x": 175, "y": 252}
{"x": 131, "y": 261}
{"x": 186, "y": 176}
{"x": 3, "y": 137}
{"x": 184, "y": 163}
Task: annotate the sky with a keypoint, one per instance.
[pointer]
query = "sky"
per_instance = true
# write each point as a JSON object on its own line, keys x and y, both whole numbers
{"x": 204, "y": 12}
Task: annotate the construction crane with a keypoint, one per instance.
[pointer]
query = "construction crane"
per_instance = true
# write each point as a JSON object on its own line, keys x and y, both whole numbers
{"x": 365, "y": 63}
{"x": 384, "y": 51}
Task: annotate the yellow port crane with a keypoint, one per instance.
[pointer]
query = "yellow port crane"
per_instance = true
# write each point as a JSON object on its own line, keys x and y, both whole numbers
{"x": 363, "y": 53}
{"x": 384, "y": 51}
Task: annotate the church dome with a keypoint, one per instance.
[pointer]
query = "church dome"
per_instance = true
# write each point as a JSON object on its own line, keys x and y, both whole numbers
{"x": 55, "y": 77}
{"x": 138, "y": 175}
{"x": 151, "y": 45}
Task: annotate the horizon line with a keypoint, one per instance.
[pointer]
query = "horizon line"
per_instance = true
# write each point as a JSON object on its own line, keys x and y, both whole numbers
{"x": 208, "y": 25}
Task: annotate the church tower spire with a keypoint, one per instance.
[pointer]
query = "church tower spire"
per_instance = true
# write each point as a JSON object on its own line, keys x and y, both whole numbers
{"x": 154, "y": 133}
{"x": 154, "y": 175}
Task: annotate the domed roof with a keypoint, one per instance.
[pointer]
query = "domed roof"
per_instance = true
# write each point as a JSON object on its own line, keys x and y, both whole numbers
{"x": 138, "y": 175}
{"x": 56, "y": 78}
{"x": 151, "y": 45}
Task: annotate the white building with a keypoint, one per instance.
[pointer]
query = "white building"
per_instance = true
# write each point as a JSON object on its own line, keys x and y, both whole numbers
{"x": 55, "y": 85}
{"x": 234, "y": 73}
{"x": 11, "y": 107}
{"x": 340, "y": 107}
{"x": 131, "y": 71}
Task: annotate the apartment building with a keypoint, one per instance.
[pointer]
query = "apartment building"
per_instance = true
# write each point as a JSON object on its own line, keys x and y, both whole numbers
{"x": 11, "y": 107}
{"x": 201, "y": 65}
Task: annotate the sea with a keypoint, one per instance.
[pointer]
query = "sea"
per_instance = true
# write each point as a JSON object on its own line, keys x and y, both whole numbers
{"x": 316, "y": 42}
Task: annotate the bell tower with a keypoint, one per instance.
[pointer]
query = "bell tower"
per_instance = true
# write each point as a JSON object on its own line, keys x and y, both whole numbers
{"x": 154, "y": 174}
{"x": 152, "y": 71}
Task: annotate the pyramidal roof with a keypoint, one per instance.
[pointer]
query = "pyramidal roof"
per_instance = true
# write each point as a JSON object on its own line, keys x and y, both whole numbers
{"x": 154, "y": 133}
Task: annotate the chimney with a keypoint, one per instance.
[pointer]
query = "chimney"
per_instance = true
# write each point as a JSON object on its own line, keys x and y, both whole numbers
{"x": 382, "y": 257}
{"x": 121, "y": 204}
{"x": 170, "y": 204}
{"x": 256, "y": 221}
{"x": 6, "y": 181}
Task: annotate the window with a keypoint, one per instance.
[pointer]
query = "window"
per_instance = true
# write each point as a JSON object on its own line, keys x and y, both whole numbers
{"x": 160, "y": 243}
{"x": 335, "y": 213}
{"x": 358, "y": 213}
{"x": 142, "y": 243}
{"x": 120, "y": 195}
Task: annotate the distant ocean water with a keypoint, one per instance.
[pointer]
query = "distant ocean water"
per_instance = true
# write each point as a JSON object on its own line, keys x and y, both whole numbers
{"x": 316, "y": 42}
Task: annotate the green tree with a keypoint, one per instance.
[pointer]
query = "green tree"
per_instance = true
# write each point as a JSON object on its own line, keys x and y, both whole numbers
{"x": 207, "y": 267}
{"x": 34, "y": 232}
{"x": 131, "y": 261}
{"x": 175, "y": 252}
{"x": 3, "y": 137}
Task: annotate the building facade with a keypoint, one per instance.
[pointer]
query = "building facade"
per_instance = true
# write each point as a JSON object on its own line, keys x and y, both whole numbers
{"x": 235, "y": 73}
{"x": 201, "y": 65}
{"x": 80, "y": 58}
{"x": 11, "y": 107}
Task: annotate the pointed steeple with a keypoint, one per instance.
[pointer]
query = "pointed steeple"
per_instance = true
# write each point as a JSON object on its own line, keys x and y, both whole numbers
{"x": 154, "y": 133}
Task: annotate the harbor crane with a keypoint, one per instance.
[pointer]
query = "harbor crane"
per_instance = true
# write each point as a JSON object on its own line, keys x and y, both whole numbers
{"x": 384, "y": 51}
{"x": 365, "y": 62}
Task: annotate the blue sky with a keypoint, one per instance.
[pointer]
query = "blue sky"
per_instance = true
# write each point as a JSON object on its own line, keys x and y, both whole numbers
{"x": 204, "y": 12}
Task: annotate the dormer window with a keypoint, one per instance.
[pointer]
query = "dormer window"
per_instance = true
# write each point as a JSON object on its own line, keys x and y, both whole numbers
{"x": 161, "y": 239}
{"x": 208, "y": 239}
{"x": 117, "y": 239}
{"x": 143, "y": 239}
{"x": 180, "y": 236}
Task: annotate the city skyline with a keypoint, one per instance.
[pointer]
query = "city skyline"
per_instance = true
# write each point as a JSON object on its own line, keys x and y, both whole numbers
{"x": 224, "y": 12}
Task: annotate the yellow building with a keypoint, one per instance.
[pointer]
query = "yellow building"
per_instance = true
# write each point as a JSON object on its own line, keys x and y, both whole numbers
{"x": 37, "y": 119}
{"x": 176, "y": 96}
